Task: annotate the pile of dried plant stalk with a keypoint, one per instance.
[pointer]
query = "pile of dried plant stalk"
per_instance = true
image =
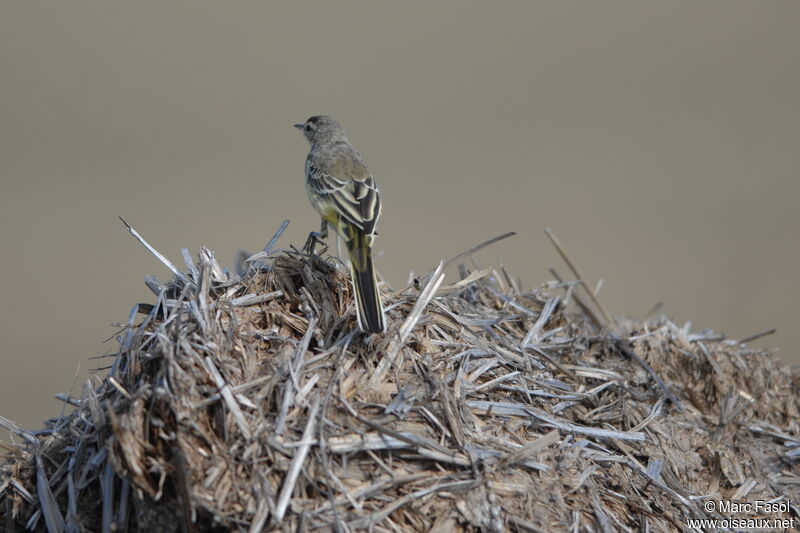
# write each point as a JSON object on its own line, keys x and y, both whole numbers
{"x": 249, "y": 402}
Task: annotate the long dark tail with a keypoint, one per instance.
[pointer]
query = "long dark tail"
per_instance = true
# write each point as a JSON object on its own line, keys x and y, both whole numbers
{"x": 369, "y": 309}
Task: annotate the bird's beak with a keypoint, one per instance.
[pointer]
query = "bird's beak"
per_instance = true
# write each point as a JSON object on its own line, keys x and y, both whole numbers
{"x": 299, "y": 126}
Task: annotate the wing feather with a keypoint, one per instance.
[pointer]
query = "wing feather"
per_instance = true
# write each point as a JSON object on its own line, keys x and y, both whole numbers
{"x": 343, "y": 180}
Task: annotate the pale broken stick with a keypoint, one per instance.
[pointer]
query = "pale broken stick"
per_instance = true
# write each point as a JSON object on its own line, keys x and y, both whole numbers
{"x": 479, "y": 247}
{"x": 297, "y": 464}
{"x": 411, "y": 320}
{"x": 167, "y": 263}
{"x": 268, "y": 249}
{"x": 474, "y": 249}
{"x": 227, "y": 395}
{"x": 295, "y": 371}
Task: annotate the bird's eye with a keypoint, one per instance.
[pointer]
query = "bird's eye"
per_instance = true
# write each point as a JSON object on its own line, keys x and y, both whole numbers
{"x": 308, "y": 127}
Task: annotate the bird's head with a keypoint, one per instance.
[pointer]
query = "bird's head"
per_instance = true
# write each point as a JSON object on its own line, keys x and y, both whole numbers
{"x": 320, "y": 129}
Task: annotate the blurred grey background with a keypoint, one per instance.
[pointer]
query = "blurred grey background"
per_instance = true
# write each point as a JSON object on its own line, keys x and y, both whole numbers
{"x": 660, "y": 141}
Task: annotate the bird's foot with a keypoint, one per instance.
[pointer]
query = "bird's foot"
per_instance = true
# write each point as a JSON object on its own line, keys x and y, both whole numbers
{"x": 313, "y": 238}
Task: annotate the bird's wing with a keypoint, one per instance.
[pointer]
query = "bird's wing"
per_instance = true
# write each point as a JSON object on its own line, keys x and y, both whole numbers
{"x": 344, "y": 181}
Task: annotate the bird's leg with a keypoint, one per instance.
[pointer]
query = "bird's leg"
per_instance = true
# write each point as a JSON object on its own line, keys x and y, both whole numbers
{"x": 316, "y": 236}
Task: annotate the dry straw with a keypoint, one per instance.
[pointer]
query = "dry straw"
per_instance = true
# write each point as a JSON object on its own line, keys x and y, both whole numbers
{"x": 248, "y": 403}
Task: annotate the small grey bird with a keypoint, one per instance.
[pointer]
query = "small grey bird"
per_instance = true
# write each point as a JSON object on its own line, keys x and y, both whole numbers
{"x": 341, "y": 188}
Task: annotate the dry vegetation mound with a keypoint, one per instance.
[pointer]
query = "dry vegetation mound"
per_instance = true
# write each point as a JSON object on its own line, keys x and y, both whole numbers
{"x": 248, "y": 403}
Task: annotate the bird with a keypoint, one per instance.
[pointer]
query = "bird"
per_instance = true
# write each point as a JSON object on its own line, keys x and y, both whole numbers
{"x": 342, "y": 190}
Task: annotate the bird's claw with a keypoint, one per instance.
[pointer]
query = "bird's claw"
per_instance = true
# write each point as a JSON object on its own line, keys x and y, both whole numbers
{"x": 314, "y": 237}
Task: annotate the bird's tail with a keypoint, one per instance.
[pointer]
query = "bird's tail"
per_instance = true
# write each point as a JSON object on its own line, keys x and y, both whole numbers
{"x": 369, "y": 309}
